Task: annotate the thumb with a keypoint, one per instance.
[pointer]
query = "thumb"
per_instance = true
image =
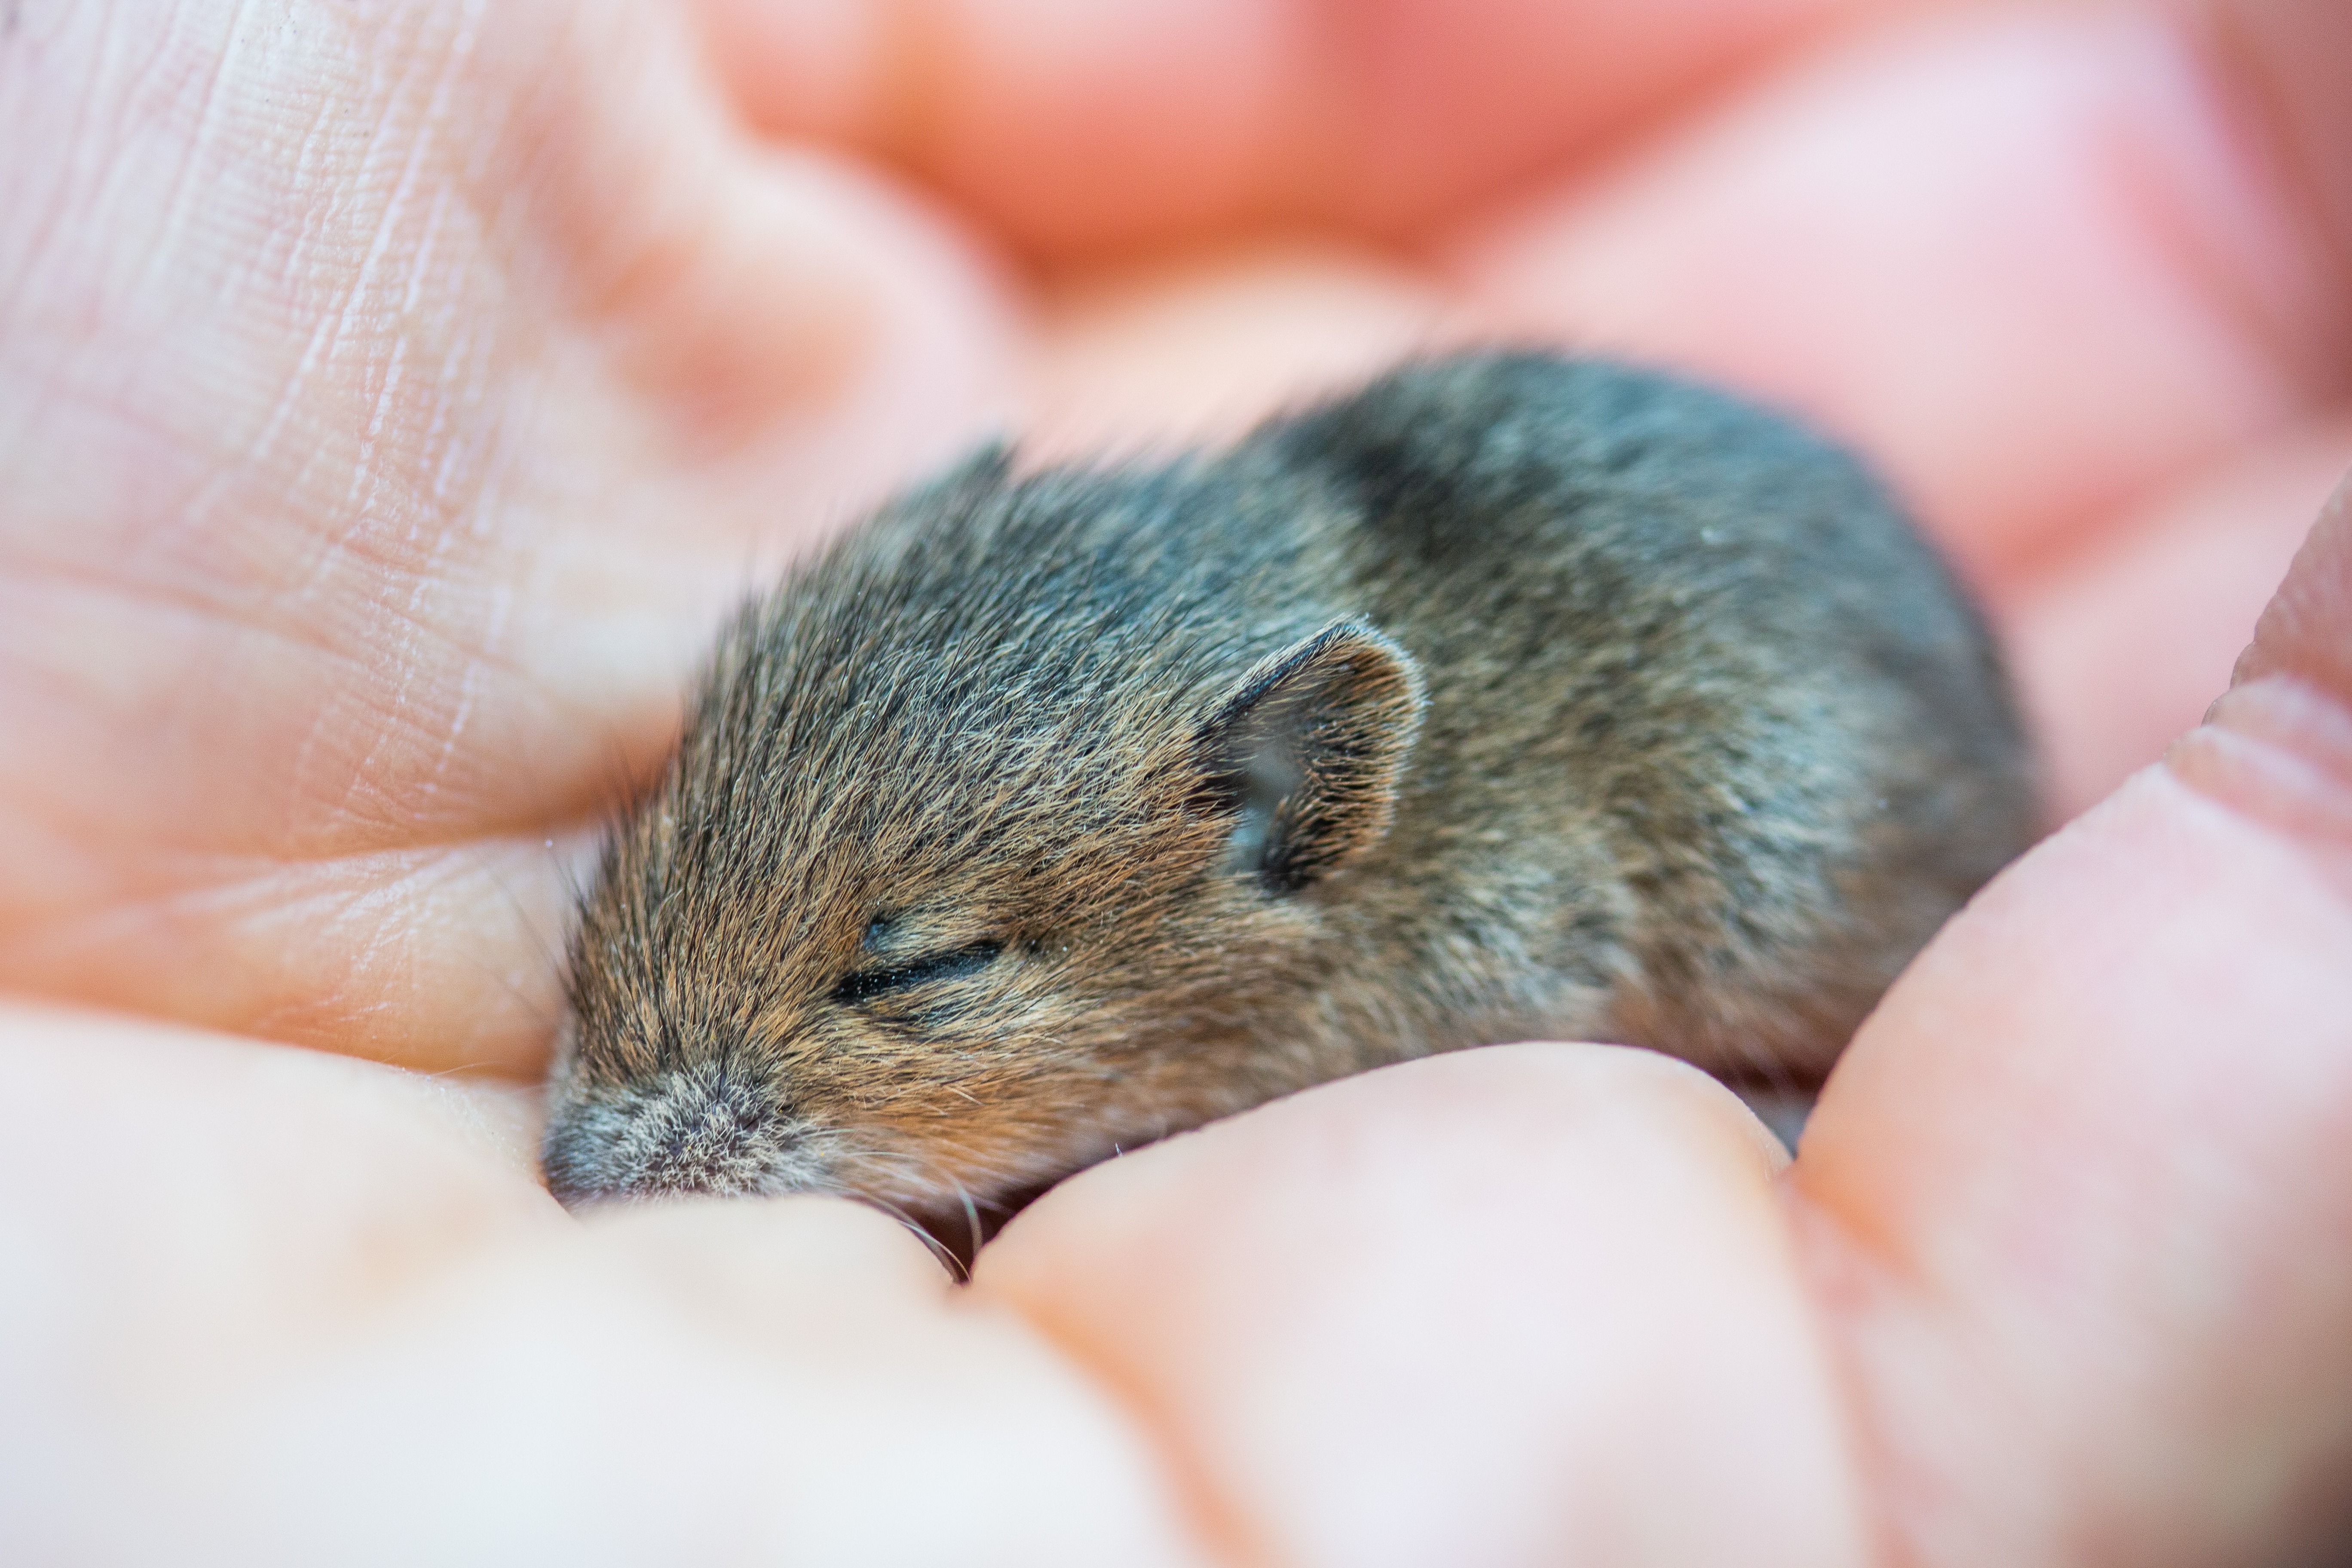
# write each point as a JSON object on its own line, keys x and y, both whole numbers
{"x": 2078, "y": 1194}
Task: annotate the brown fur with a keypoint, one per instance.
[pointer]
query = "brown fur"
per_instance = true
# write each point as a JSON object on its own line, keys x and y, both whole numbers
{"x": 1043, "y": 816}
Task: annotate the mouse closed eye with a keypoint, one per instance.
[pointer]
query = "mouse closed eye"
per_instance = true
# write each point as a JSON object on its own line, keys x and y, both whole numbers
{"x": 962, "y": 963}
{"x": 1047, "y": 815}
{"x": 896, "y": 969}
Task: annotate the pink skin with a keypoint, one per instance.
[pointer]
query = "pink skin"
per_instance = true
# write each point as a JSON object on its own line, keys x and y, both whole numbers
{"x": 388, "y": 402}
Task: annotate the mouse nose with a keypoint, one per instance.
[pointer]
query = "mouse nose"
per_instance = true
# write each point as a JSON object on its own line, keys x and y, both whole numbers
{"x": 720, "y": 1145}
{"x": 693, "y": 1131}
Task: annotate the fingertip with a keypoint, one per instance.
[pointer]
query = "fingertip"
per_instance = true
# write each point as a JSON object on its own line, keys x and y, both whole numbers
{"x": 2014, "y": 256}
{"x": 788, "y": 309}
{"x": 816, "y": 69}
{"x": 2099, "y": 977}
{"x": 1079, "y": 129}
{"x": 2277, "y": 747}
{"x": 1199, "y": 347}
{"x": 1451, "y": 1117}
{"x": 2119, "y": 648}
{"x": 2306, "y": 630}
{"x": 808, "y": 1255}
{"x": 1523, "y": 1303}
{"x": 2284, "y": 62}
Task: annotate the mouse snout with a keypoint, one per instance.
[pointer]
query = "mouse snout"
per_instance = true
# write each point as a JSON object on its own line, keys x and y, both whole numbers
{"x": 688, "y": 1130}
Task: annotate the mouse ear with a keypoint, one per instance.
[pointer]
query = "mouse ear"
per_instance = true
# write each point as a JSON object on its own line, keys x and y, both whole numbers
{"x": 1308, "y": 750}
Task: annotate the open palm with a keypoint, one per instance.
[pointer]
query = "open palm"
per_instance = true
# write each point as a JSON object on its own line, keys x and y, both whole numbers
{"x": 393, "y": 397}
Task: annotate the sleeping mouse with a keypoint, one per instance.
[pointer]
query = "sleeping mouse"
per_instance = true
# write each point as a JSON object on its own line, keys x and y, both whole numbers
{"x": 1046, "y": 813}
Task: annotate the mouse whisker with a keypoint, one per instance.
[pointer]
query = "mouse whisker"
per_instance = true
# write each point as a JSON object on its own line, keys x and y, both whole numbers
{"x": 970, "y": 1210}
{"x": 956, "y": 1266}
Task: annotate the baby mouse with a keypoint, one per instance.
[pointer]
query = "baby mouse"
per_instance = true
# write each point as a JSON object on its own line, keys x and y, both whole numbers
{"x": 1513, "y": 696}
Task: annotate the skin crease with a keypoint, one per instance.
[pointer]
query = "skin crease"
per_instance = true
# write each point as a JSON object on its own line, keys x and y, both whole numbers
{"x": 390, "y": 400}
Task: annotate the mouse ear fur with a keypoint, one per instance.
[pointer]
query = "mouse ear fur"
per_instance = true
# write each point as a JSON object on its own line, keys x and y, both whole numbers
{"x": 1307, "y": 753}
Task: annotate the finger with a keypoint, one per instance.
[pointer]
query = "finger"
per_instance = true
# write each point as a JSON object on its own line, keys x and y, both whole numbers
{"x": 187, "y": 1205}
{"x": 261, "y": 1293}
{"x": 1529, "y": 1304}
{"x": 378, "y": 464}
{"x": 1194, "y": 349}
{"x": 1082, "y": 128}
{"x": 2282, "y": 63}
{"x": 2119, "y": 648}
{"x": 2301, "y": 635}
{"x": 2029, "y": 261}
{"x": 2079, "y": 1189}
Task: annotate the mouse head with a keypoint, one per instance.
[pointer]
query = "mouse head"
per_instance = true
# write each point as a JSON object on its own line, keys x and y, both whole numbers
{"x": 938, "y": 903}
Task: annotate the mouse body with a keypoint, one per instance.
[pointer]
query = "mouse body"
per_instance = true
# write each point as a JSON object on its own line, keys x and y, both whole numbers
{"x": 1044, "y": 815}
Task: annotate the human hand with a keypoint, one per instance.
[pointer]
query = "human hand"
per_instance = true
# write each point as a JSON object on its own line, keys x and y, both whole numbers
{"x": 391, "y": 405}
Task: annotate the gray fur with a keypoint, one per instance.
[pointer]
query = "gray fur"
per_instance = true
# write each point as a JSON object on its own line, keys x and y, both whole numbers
{"x": 1510, "y": 697}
